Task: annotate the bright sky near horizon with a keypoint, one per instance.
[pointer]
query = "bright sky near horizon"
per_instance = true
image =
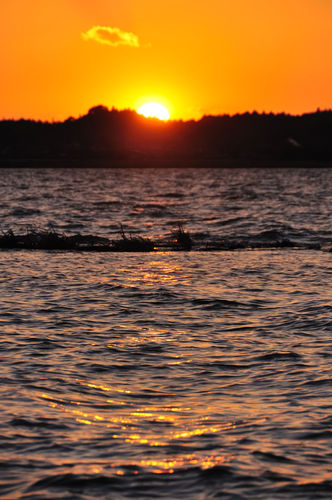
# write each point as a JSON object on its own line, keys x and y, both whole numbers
{"x": 61, "y": 57}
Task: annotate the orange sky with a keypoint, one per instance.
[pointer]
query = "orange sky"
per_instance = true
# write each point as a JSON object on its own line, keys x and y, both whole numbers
{"x": 61, "y": 57}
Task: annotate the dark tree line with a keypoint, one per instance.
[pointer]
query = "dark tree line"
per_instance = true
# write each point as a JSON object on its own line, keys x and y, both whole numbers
{"x": 125, "y": 136}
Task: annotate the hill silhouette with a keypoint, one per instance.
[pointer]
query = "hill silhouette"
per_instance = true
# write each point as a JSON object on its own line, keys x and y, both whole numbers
{"x": 126, "y": 138}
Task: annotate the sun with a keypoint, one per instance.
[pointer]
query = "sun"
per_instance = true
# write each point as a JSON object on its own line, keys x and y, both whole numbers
{"x": 154, "y": 110}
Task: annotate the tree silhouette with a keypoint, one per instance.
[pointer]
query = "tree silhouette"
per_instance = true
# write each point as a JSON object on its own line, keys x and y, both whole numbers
{"x": 114, "y": 135}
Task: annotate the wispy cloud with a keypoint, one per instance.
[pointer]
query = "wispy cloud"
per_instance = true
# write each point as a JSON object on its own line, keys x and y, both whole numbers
{"x": 113, "y": 37}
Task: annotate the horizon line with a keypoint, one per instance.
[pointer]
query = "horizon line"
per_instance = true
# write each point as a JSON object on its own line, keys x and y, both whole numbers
{"x": 170, "y": 120}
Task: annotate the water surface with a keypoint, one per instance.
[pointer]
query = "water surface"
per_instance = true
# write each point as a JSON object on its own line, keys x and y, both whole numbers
{"x": 167, "y": 375}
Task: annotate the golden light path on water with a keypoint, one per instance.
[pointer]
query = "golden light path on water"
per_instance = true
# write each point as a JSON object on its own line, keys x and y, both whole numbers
{"x": 127, "y": 424}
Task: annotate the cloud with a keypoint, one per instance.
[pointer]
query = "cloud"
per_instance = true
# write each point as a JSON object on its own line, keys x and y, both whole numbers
{"x": 113, "y": 37}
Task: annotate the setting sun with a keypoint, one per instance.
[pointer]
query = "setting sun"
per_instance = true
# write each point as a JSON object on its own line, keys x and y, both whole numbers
{"x": 154, "y": 110}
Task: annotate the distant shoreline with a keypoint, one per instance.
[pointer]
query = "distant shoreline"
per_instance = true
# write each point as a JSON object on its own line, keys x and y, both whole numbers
{"x": 160, "y": 163}
{"x": 122, "y": 139}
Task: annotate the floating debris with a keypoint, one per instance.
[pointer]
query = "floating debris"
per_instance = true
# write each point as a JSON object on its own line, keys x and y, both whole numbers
{"x": 179, "y": 240}
{"x": 183, "y": 239}
{"x": 132, "y": 243}
{"x": 41, "y": 239}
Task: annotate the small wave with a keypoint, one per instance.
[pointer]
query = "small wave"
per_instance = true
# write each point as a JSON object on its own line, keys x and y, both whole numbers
{"x": 272, "y": 457}
{"x": 45, "y": 424}
{"x": 116, "y": 367}
{"x": 24, "y": 212}
{"x": 275, "y": 356}
{"x": 317, "y": 435}
{"x": 74, "y": 482}
{"x": 217, "y": 304}
{"x": 232, "y": 220}
{"x": 107, "y": 203}
{"x": 227, "y": 366}
{"x": 272, "y": 234}
{"x": 150, "y": 395}
{"x": 317, "y": 490}
{"x": 322, "y": 381}
{"x": 276, "y": 477}
{"x": 217, "y": 472}
{"x": 172, "y": 195}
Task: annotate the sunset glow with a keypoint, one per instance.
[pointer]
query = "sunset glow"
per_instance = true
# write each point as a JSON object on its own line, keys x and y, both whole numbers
{"x": 62, "y": 57}
{"x": 154, "y": 110}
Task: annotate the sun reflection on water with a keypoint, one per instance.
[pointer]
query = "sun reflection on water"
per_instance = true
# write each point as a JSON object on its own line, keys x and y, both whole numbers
{"x": 134, "y": 425}
{"x": 130, "y": 427}
{"x": 171, "y": 465}
{"x": 104, "y": 388}
{"x": 158, "y": 272}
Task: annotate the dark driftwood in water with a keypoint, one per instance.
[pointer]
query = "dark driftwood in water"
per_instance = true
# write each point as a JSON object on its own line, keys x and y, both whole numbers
{"x": 183, "y": 239}
{"x": 179, "y": 240}
{"x": 132, "y": 243}
{"x": 52, "y": 240}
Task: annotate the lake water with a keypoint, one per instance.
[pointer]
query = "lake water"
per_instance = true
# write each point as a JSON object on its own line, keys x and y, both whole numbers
{"x": 171, "y": 375}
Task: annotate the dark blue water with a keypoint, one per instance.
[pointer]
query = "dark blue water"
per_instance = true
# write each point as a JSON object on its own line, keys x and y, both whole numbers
{"x": 167, "y": 375}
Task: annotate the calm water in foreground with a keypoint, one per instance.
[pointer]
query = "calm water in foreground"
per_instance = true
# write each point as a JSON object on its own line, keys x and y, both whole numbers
{"x": 194, "y": 375}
